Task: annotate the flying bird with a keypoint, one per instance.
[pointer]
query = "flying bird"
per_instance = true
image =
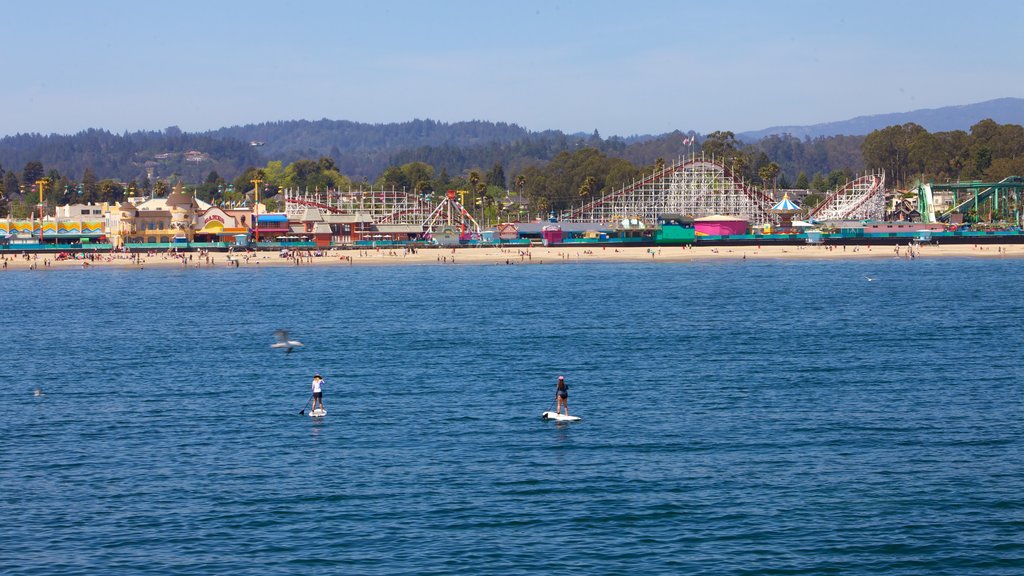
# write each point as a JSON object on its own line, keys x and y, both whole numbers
{"x": 283, "y": 342}
{"x": 869, "y": 278}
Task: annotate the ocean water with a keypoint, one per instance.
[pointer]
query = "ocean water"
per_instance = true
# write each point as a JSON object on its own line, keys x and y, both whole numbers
{"x": 738, "y": 418}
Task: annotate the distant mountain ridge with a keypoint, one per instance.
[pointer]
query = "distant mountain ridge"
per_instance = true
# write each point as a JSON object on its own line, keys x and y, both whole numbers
{"x": 364, "y": 151}
{"x": 947, "y": 118}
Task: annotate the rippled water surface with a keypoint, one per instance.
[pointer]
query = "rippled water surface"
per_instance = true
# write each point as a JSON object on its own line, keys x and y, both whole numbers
{"x": 741, "y": 418}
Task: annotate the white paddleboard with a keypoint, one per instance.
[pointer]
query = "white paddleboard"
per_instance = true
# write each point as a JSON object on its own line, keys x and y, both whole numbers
{"x": 318, "y": 413}
{"x": 559, "y": 417}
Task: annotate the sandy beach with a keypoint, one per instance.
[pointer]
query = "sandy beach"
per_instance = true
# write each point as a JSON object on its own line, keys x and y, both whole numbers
{"x": 505, "y": 256}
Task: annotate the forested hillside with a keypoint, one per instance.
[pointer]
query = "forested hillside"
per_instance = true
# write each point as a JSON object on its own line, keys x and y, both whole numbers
{"x": 360, "y": 151}
{"x": 494, "y": 162}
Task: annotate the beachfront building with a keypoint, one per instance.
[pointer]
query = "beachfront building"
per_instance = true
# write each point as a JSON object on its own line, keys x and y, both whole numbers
{"x": 90, "y": 211}
{"x": 219, "y": 225}
{"x": 53, "y": 232}
{"x": 268, "y": 227}
{"x": 159, "y": 220}
{"x": 326, "y": 228}
{"x": 719, "y": 225}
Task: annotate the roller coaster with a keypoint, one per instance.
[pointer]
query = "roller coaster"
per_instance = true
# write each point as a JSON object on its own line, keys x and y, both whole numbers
{"x": 387, "y": 206}
{"x": 384, "y": 206}
{"x": 695, "y": 186}
{"x": 700, "y": 187}
{"x": 862, "y": 198}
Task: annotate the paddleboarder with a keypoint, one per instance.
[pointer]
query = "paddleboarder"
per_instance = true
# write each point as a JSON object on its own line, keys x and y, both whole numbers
{"x": 318, "y": 392}
{"x": 562, "y": 395}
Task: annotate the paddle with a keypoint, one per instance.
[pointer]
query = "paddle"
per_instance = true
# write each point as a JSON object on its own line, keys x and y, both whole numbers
{"x": 303, "y": 411}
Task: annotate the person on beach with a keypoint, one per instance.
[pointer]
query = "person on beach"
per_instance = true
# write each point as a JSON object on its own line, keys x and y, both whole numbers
{"x": 562, "y": 395}
{"x": 318, "y": 392}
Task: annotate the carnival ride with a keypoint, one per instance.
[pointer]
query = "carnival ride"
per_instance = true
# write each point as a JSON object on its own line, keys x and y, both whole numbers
{"x": 696, "y": 186}
{"x": 384, "y": 206}
{"x": 1001, "y": 199}
{"x": 451, "y": 214}
{"x": 862, "y": 198}
{"x": 387, "y": 206}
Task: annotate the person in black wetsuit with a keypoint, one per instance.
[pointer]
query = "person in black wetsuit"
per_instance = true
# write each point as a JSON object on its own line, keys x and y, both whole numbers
{"x": 562, "y": 395}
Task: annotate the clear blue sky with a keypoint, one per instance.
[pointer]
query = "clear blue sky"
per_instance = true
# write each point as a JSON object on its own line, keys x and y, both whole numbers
{"x": 622, "y": 67}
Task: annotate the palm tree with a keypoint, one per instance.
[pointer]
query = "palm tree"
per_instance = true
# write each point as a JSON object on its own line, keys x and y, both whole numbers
{"x": 769, "y": 172}
{"x": 738, "y": 163}
{"x": 481, "y": 190}
{"x": 474, "y": 181}
{"x": 520, "y": 182}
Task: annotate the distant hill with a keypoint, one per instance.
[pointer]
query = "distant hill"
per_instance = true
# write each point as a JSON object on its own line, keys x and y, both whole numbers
{"x": 947, "y": 118}
{"x": 363, "y": 151}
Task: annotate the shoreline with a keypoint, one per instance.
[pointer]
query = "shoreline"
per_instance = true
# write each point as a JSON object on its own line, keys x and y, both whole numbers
{"x": 506, "y": 256}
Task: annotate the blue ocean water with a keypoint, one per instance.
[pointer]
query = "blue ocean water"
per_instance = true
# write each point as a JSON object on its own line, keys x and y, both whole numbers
{"x": 780, "y": 417}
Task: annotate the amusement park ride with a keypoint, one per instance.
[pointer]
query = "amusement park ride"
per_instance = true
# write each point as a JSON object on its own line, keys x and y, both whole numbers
{"x": 700, "y": 187}
{"x": 390, "y": 206}
{"x": 1001, "y": 199}
{"x": 696, "y": 186}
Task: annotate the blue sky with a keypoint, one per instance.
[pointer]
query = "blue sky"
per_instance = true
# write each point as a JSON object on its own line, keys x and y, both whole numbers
{"x": 621, "y": 67}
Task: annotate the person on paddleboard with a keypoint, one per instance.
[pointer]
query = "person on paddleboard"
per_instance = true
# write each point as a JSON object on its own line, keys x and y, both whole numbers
{"x": 562, "y": 395}
{"x": 318, "y": 392}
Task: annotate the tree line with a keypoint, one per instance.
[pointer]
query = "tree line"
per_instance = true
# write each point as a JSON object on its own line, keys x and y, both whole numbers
{"x": 552, "y": 171}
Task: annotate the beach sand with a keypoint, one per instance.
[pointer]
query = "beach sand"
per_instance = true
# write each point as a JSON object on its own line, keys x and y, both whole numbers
{"x": 511, "y": 256}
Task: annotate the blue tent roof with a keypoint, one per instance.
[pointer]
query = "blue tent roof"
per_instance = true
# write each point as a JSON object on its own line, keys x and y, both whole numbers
{"x": 786, "y": 205}
{"x": 272, "y": 218}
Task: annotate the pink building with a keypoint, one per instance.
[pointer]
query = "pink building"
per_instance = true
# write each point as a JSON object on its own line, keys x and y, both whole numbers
{"x": 551, "y": 234}
{"x": 719, "y": 226}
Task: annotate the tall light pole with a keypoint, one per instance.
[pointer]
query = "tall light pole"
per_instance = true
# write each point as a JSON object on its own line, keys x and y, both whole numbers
{"x": 40, "y": 183}
{"x": 256, "y": 217}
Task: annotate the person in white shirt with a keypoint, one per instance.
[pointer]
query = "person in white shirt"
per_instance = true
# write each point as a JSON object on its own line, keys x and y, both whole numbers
{"x": 318, "y": 392}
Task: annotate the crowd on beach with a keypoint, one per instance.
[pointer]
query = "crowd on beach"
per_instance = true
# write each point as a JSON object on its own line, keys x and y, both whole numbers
{"x": 504, "y": 255}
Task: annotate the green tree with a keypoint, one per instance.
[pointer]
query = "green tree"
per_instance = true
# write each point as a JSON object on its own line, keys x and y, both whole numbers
{"x": 721, "y": 145}
{"x": 420, "y": 176}
{"x": 496, "y": 175}
{"x": 738, "y": 163}
{"x": 394, "y": 177}
{"x": 587, "y": 187}
{"x": 275, "y": 175}
{"x": 301, "y": 175}
{"x": 812, "y": 200}
{"x": 90, "y": 187}
{"x": 11, "y": 187}
{"x": 819, "y": 183}
{"x": 110, "y": 191}
{"x": 802, "y": 182}
{"x": 888, "y": 149}
{"x": 32, "y": 172}
{"x": 767, "y": 173}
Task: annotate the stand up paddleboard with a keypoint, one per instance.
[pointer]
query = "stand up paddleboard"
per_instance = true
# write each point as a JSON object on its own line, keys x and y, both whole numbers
{"x": 318, "y": 413}
{"x": 559, "y": 417}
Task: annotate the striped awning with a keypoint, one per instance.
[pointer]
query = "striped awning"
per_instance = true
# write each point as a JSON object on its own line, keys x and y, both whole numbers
{"x": 786, "y": 205}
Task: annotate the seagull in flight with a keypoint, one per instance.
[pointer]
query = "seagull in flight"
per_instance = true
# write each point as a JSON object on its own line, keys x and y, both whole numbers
{"x": 283, "y": 342}
{"x": 869, "y": 278}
